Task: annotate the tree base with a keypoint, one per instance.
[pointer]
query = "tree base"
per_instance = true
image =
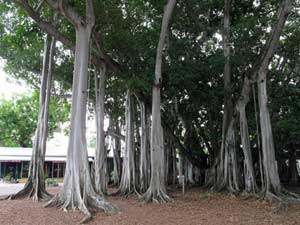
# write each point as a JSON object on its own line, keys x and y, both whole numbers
{"x": 126, "y": 192}
{"x": 31, "y": 192}
{"x": 157, "y": 196}
{"x": 85, "y": 204}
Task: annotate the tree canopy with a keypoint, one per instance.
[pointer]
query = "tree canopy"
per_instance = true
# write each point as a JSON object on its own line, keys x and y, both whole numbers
{"x": 228, "y": 86}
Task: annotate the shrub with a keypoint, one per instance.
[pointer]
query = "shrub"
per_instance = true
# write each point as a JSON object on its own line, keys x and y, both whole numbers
{"x": 51, "y": 182}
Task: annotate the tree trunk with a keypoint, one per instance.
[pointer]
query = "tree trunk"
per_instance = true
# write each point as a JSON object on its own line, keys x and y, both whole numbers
{"x": 128, "y": 179}
{"x": 230, "y": 180}
{"x": 260, "y": 67}
{"x": 258, "y": 140}
{"x": 35, "y": 185}
{"x": 117, "y": 164}
{"x": 170, "y": 165}
{"x": 117, "y": 154}
{"x": 181, "y": 170}
{"x": 249, "y": 177}
{"x": 273, "y": 187}
{"x": 137, "y": 141}
{"x": 174, "y": 164}
{"x": 100, "y": 153}
{"x": 78, "y": 191}
{"x": 223, "y": 174}
{"x": 269, "y": 161}
{"x": 157, "y": 189}
{"x": 293, "y": 171}
{"x": 144, "y": 155}
{"x": 190, "y": 172}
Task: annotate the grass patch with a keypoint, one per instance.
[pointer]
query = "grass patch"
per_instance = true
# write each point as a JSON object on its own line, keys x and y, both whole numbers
{"x": 24, "y": 180}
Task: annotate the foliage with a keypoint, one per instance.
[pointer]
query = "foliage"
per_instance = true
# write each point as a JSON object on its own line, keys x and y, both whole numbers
{"x": 51, "y": 182}
{"x": 18, "y": 118}
{"x": 192, "y": 87}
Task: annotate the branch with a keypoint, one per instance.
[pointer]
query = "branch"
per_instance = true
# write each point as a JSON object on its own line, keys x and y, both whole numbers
{"x": 38, "y": 8}
{"x": 162, "y": 38}
{"x": 113, "y": 133}
{"x": 282, "y": 15}
{"x": 196, "y": 161}
{"x": 113, "y": 65}
{"x": 90, "y": 16}
{"x": 50, "y": 29}
{"x": 67, "y": 11}
{"x": 262, "y": 63}
{"x": 266, "y": 56}
{"x": 43, "y": 25}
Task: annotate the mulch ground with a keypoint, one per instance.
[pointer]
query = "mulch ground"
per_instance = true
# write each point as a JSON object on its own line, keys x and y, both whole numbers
{"x": 196, "y": 207}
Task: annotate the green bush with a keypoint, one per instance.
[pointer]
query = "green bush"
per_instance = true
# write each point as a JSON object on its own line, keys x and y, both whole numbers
{"x": 51, "y": 182}
{"x": 8, "y": 177}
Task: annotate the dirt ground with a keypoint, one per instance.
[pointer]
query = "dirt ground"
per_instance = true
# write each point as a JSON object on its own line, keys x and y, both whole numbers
{"x": 196, "y": 207}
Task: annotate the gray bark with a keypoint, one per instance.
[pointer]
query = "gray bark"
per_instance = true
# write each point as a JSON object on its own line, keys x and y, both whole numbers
{"x": 118, "y": 148}
{"x": 101, "y": 152}
{"x": 117, "y": 166}
{"x": 170, "y": 172}
{"x": 78, "y": 191}
{"x": 190, "y": 171}
{"x": 269, "y": 161}
{"x": 223, "y": 174}
{"x": 249, "y": 178}
{"x": 272, "y": 182}
{"x": 259, "y": 67}
{"x": 293, "y": 171}
{"x": 145, "y": 151}
{"x": 128, "y": 179}
{"x": 180, "y": 169}
{"x": 157, "y": 189}
{"x": 258, "y": 139}
{"x": 174, "y": 165}
{"x": 35, "y": 185}
{"x": 114, "y": 132}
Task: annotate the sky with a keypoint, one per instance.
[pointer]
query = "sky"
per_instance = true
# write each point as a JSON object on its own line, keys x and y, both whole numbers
{"x": 9, "y": 87}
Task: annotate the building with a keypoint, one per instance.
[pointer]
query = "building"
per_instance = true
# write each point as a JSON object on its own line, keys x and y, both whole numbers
{"x": 15, "y": 161}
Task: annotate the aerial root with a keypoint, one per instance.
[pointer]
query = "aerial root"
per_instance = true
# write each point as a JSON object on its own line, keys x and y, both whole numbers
{"x": 84, "y": 204}
{"x": 100, "y": 203}
{"x": 125, "y": 192}
{"x": 157, "y": 197}
{"x": 284, "y": 199}
{"x": 52, "y": 202}
{"x": 21, "y": 194}
{"x": 30, "y": 192}
{"x": 87, "y": 218}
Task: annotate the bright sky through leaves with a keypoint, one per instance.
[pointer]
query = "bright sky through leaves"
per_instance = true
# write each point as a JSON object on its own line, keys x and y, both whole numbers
{"x": 10, "y": 88}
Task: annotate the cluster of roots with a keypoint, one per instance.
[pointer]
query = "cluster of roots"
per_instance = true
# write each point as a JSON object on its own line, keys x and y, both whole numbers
{"x": 85, "y": 204}
{"x": 153, "y": 195}
{"x": 29, "y": 191}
